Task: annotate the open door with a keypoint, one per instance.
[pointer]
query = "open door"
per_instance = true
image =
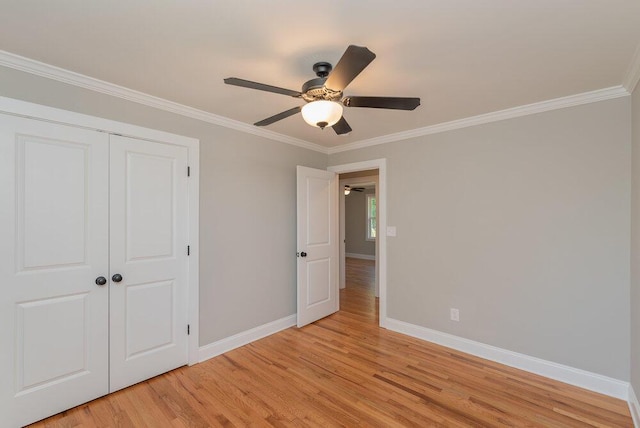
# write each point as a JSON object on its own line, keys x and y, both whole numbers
{"x": 317, "y": 244}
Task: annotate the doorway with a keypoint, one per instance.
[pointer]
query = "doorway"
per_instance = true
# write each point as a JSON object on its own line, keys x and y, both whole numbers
{"x": 368, "y": 174}
{"x": 358, "y": 219}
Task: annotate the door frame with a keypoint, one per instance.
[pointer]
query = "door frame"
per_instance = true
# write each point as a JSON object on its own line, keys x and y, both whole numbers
{"x": 64, "y": 117}
{"x": 381, "y": 247}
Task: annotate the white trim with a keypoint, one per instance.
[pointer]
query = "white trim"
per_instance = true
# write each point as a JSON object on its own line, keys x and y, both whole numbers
{"x": 237, "y": 340}
{"x": 581, "y": 378}
{"x": 38, "y": 68}
{"x": 555, "y": 104}
{"x": 381, "y": 242}
{"x": 78, "y": 120}
{"x": 633, "y": 73}
{"x": 194, "y": 257}
{"x": 634, "y": 407}
{"x": 360, "y": 256}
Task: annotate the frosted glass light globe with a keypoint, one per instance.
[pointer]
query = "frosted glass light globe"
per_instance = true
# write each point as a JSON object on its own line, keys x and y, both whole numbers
{"x": 322, "y": 113}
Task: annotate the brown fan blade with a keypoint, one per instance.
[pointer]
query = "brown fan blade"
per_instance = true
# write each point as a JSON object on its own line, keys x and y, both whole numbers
{"x": 261, "y": 86}
{"x": 279, "y": 116}
{"x": 353, "y": 61}
{"x": 341, "y": 127}
{"x": 396, "y": 103}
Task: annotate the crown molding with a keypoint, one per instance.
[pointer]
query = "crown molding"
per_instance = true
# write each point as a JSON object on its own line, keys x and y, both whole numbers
{"x": 633, "y": 73}
{"x": 543, "y": 106}
{"x": 38, "y": 68}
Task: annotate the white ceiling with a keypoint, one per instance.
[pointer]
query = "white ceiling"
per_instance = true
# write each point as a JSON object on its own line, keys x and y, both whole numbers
{"x": 461, "y": 57}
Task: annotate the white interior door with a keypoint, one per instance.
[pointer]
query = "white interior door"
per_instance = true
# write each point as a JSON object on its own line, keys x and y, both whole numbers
{"x": 317, "y": 244}
{"x": 149, "y": 232}
{"x": 53, "y": 246}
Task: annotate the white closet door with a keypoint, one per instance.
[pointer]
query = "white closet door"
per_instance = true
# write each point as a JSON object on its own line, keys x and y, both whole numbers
{"x": 149, "y": 230}
{"x": 53, "y": 246}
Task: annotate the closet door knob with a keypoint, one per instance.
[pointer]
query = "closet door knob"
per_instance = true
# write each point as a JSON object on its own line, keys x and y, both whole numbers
{"x": 101, "y": 280}
{"x": 116, "y": 278}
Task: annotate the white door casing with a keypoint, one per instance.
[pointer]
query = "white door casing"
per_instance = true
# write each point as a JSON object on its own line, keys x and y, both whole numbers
{"x": 317, "y": 231}
{"x": 53, "y": 246}
{"x": 149, "y": 238}
{"x": 381, "y": 241}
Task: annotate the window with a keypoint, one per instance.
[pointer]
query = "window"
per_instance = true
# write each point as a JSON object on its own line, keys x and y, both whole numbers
{"x": 372, "y": 214}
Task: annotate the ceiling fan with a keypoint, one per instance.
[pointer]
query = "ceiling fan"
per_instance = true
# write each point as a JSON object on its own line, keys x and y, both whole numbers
{"x": 323, "y": 95}
{"x": 348, "y": 189}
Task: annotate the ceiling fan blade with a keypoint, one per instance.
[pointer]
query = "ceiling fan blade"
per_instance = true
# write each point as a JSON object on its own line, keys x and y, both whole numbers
{"x": 279, "y": 116}
{"x": 341, "y": 127}
{"x": 261, "y": 86}
{"x": 353, "y": 61}
{"x": 396, "y": 103}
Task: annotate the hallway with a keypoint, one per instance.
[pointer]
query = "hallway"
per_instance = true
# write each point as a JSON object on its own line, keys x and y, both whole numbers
{"x": 358, "y": 295}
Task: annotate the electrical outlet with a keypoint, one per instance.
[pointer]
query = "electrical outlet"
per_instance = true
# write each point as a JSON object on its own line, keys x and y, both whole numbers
{"x": 455, "y": 314}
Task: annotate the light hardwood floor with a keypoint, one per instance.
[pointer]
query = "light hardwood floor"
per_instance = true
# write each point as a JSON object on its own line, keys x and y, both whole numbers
{"x": 346, "y": 371}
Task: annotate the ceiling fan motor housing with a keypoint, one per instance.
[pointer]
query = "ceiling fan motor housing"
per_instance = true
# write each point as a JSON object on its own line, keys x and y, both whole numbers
{"x": 314, "y": 89}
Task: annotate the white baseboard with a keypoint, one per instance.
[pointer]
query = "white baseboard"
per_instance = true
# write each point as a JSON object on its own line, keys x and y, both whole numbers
{"x": 634, "y": 407}
{"x": 237, "y": 340}
{"x": 360, "y": 256}
{"x": 578, "y": 377}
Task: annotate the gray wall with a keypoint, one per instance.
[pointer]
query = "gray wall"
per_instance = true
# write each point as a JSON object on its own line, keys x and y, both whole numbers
{"x": 521, "y": 224}
{"x": 247, "y": 205}
{"x": 355, "y": 220}
{"x": 635, "y": 245}
{"x": 524, "y": 226}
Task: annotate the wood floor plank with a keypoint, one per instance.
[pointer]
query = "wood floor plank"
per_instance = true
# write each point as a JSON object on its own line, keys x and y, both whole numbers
{"x": 346, "y": 371}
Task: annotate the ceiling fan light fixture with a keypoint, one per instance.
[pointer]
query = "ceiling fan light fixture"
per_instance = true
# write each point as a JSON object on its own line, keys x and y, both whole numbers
{"x": 322, "y": 113}
{"x": 324, "y": 94}
{"x": 347, "y": 190}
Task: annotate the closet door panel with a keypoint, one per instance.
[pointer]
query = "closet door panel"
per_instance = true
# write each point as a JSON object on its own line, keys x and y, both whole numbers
{"x": 54, "y": 229}
{"x": 149, "y": 230}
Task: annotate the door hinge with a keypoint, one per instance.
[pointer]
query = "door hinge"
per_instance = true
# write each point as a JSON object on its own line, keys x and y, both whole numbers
{"x": 188, "y": 250}
{"x": 188, "y": 171}
{"x": 188, "y": 329}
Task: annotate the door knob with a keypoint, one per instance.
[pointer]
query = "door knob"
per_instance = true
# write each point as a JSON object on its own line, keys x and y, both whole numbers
{"x": 116, "y": 278}
{"x": 303, "y": 254}
{"x": 101, "y": 280}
